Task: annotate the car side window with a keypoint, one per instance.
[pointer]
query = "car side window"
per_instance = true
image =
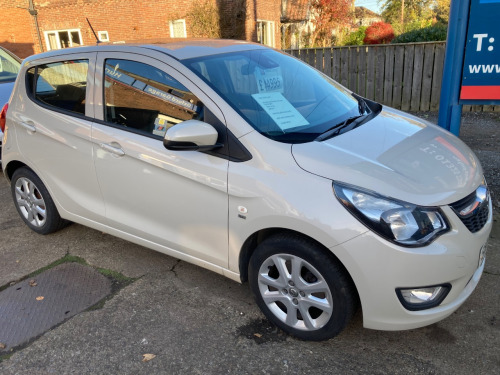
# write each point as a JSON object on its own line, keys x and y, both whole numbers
{"x": 145, "y": 99}
{"x": 61, "y": 85}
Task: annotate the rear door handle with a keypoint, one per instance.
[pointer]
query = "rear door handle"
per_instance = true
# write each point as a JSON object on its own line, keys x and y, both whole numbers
{"x": 114, "y": 148}
{"x": 29, "y": 125}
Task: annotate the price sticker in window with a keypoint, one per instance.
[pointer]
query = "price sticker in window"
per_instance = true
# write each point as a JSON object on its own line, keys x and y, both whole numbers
{"x": 269, "y": 80}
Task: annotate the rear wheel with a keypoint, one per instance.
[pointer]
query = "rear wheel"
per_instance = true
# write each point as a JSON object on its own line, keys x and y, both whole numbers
{"x": 301, "y": 288}
{"x": 34, "y": 203}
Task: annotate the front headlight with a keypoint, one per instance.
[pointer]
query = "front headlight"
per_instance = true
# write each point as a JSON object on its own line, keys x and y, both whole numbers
{"x": 400, "y": 222}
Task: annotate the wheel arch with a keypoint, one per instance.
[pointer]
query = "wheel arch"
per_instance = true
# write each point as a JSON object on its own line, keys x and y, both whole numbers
{"x": 13, "y": 166}
{"x": 258, "y": 237}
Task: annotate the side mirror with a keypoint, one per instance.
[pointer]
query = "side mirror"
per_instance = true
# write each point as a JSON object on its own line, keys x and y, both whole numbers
{"x": 191, "y": 135}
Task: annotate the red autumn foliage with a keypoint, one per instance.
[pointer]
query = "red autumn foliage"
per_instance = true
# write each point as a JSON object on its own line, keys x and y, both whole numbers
{"x": 379, "y": 33}
{"x": 328, "y": 15}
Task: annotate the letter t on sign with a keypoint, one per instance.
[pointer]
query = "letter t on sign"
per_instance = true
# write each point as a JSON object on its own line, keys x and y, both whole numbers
{"x": 479, "y": 40}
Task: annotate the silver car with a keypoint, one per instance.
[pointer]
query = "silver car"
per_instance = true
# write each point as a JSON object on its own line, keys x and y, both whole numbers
{"x": 9, "y": 67}
{"x": 248, "y": 162}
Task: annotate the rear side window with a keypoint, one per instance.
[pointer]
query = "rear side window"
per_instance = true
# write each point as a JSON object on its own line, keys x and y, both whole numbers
{"x": 61, "y": 85}
{"x": 144, "y": 99}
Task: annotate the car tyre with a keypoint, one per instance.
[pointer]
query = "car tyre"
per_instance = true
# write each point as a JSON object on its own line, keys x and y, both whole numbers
{"x": 34, "y": 203}
{"x": 301, "y": 288}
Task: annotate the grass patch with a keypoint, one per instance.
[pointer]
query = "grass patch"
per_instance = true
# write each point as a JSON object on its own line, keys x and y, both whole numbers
{"x": 65, "y": 259}
{"x": 5, "y": 357}
{"x": 118, "y": 281}
{"x": 115, "y": 275}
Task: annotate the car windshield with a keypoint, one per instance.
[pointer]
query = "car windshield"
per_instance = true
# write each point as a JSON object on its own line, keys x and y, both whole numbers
{"x": 9, "y": 67}
{"x": 281, "y": 97}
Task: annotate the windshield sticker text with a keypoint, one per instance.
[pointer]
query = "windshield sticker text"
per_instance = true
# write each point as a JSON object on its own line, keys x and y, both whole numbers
{"x": 269, "y": 80}
{"x": 280, "y": 110}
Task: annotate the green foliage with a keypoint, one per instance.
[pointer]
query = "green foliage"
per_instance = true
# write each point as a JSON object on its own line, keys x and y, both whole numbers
{"x": 356, "y": 37}
{"x": 433, "y": 33}
{"x": 66, "y": 259}
{"x": 115, "y": 275}
{"x": 410, "y": 26}
{"x": 442, "y": 10}
{"x": 413, "y": 10}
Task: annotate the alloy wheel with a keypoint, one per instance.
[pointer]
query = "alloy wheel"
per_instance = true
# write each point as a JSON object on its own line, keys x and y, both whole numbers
{"x": 295, "y": 292}
{"x": 30, "y": 202}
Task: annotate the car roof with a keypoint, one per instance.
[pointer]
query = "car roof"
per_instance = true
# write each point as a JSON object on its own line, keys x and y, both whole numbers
{"x": 186, "y": 49}
{"x": 179, "y": 49}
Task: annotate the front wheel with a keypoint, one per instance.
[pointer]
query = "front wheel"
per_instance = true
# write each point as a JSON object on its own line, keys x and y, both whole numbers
{"x": 301, "y": 288}
{"x": 34, "y": 203}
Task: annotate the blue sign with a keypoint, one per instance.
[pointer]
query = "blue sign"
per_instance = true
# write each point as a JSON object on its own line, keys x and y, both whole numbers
{"x": 481, "y": 70}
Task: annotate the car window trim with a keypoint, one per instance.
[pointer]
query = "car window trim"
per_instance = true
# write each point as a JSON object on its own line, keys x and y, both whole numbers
{"x": 31, "y": 91}
{"x": 54, "y": 108}
{"x": 128, "y": 129}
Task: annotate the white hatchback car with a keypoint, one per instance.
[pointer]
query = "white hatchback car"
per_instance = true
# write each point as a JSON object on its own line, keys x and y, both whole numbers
{"x": 246, "y": 161}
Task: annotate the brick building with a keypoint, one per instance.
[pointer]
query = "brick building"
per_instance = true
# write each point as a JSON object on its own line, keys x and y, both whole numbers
{"x": 32, "y": 26}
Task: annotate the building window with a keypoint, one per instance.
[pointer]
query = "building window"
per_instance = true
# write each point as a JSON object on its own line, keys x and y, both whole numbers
{"x": 63, "y": 39}
{"x": 103, "y": 36}
{"x": 178, "y": 29}
{"x": 265, "y": 32}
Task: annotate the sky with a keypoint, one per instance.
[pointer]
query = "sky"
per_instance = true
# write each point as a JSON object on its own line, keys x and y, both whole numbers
{"x": 370, "y": 4}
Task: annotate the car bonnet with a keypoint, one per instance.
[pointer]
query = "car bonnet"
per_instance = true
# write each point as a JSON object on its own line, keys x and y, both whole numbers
{"x": 399, "y": 156}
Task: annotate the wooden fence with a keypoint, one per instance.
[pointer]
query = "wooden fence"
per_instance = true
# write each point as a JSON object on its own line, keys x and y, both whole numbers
{"x": 403, "y": 76}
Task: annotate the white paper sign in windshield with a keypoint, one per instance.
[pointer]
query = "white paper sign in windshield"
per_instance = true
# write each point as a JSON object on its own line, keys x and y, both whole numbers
{"x": 269, "y": 80}
{"x": 280, "y": 110}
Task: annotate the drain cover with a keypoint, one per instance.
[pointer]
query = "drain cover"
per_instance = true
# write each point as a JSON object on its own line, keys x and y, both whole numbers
{"x": 28, "y": 309}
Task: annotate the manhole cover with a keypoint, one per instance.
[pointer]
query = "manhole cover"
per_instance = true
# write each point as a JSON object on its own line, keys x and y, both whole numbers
{"x": 28, "y": 310}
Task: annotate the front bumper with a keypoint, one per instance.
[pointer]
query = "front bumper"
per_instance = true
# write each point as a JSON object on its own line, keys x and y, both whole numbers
{"x": 379, "y": 267}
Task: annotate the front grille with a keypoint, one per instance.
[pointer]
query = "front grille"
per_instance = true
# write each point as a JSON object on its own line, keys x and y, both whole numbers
{"x": 475, "y": 220}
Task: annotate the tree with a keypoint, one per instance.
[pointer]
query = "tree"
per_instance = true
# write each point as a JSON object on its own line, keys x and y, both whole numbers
{"x": 356, "y": 38}
{"x": 329, "y": 15}
{"x": 442, "y": 10}
{"x": 379, "y": 33}
{"x": 414, "y": 12}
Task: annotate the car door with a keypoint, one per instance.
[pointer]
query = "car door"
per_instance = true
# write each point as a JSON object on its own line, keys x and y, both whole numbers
{"x": 54, "y": 124}
{"x": 175, "y": 199}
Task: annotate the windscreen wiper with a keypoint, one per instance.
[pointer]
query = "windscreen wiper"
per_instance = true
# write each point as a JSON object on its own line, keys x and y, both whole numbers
{"x": 351, "y": 122}
{"x": 363, "y": 107}
{"x": 367, "y": 109}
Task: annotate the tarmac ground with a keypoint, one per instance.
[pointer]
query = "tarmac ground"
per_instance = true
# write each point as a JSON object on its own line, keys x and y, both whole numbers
{"x": 193, "y": 321}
